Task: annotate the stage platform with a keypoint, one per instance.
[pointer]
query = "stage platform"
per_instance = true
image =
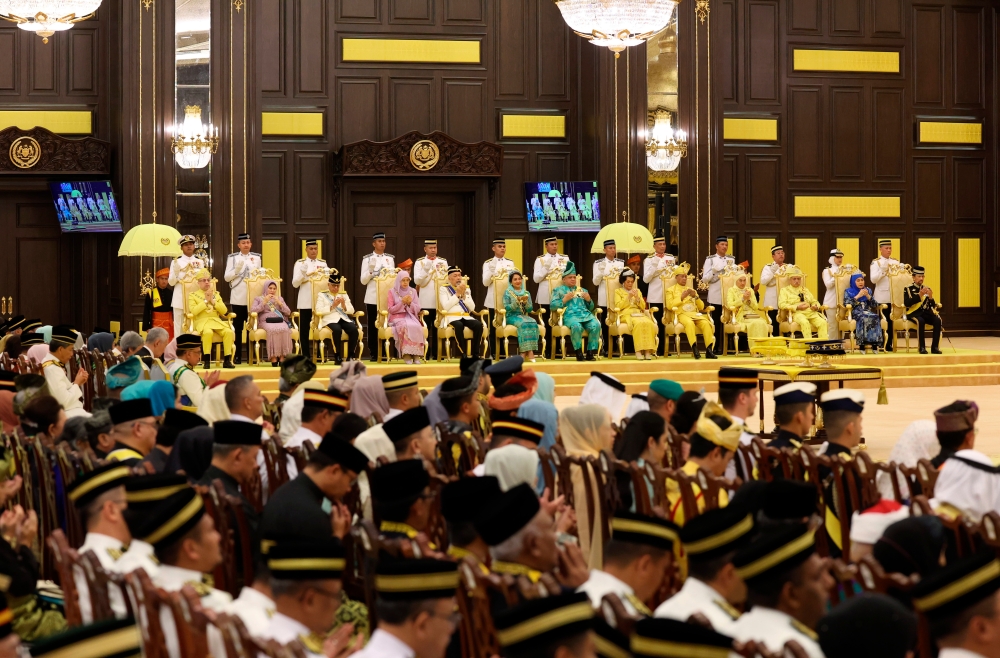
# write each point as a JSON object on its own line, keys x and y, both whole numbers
{"x": 964, "y": 367}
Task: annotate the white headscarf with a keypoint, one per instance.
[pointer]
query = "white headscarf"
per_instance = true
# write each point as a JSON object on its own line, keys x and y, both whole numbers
{"x": 967, "y": 488}
{"x": 637, "y": 403}
{"x": 512, "y": 465}
{"x": 918, "y": 441}
{"x": 599, "y": 390}
{"x": 213, "y": 405}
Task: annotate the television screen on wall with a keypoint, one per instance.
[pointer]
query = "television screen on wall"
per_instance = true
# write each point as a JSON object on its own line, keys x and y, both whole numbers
{"x": 562, "y": 206}
{"x": 86, "y": 207}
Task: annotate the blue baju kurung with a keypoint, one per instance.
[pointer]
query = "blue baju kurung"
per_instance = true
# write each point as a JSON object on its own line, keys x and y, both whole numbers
{"x": 868, "y": 319}
{"x": 579, "y": 317}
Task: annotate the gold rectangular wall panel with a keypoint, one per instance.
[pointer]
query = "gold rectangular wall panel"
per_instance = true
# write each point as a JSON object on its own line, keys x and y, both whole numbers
{"x": 807, "y": 260}
{"x": 61, "y": 122}
{"x": 433, "y": 51}
{"x": 947, "y": 132}
{"x": 929, "y": 257}
{"x": 306, "y": 124}
{"x": 533, "y": 125}
{"x": 270, "y": 255}
{"x": 750, "y": 130}
{"x": 852, "y": 251}
{"x": 968, "y": 273}
{"x": 515, "y": 252}
{"x": 847, "y": 206}
{"x": 319, "y": 253}
{"x": 846, "y": 61}
{"x": 760, "y": 256}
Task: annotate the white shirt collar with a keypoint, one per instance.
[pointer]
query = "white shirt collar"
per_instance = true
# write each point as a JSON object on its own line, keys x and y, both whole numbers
{"x": 241, "y": 418}
{"x": 392, "y": 413}
{"x": 171, "y": 575}
{"x": 605, "y": 581}
{"x": 306, "y": 434}
{"x": 254, "y": 597}
{"x": 292, "y": 627}
{"x": 384, "y": 643}
{"x": 958, "y": 653}
{"x": 975, "y": 456}
{"x": 701, "y": 589}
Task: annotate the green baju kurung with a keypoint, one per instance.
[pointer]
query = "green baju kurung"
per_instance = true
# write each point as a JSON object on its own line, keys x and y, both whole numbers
{"x": 579, "y": 317}
{"x": 518, "y": 305}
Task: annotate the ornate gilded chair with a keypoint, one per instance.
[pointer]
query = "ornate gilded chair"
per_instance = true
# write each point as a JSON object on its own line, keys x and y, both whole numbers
{"x": 562, "y": 332}
{"x": 617, "y": 327}
{"x": 254, "y": 329}
{"x": 900, "y": 278}
{"x": 318, "y": 282}
{"x": 190, "y": 284}
{"x": 669, "y": 319}
{"x": 505, "y": 331}
{"x": 447, "y": 332}
{"x": 786, "y": 326}
{"x": 384, "y": 283}
{"x": 729, "y": 324}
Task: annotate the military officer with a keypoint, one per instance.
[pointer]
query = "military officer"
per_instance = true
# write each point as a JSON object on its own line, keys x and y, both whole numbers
{"x": 209, "y": 312}
{"x": 562, "y": 622}
{"x": 67, "y": 393}
{"x": 424, "y": 270}
{"x": 769, "y": 279}
{"x": 689, "y": 313}
{"x": 545, "y": 265}
{"x": 652, "y": 268}
{"x": 334, "y": 309}
{"x": 499, "y": 263}
{"x": 178, "y": 267}
{"x": 922, "y": 309}
{"x": 880, "y": 279}
{"x": 655, "y": 637}
{"x": 794, "y": 411}
{"x": 304, "y": 267}
{"x": 181, "y": 370}
{"x": 830, "y": 300}
{"x": 371, "y": 265}
{"x": 239, "y": 266}
{"x": 711, "y": 274}
{"x": 610, "y": 265}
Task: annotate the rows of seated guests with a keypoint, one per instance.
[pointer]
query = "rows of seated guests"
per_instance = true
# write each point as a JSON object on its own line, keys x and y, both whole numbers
{"x": 362, "y": 515}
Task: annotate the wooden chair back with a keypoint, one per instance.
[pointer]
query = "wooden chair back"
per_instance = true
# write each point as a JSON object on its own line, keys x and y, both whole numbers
{"x": 189, "y": 620}
{"x": 614, "y": 612}
{"x": 148, "y": 599}
{"x": 66, "y": 560}
{"x": 656, "y": 475}
{"x": 276, "y": 463}
{"x": 927, "y": 476}
{"x": 548, "y": 470}
{"x": 564, "y": 477}
{"x": 873, "y": 578}
{"x": 962, "y": 536}
{"x": 476, "y": 630}
{"x": 674, "y": 455}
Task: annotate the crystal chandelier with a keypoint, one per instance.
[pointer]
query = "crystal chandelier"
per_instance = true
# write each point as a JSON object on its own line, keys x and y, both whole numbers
{"x": 616, "y": 24}
{"x": 195, "y": 143}
{"x": 46, "y": 17}
{"x": 666, "y": 146}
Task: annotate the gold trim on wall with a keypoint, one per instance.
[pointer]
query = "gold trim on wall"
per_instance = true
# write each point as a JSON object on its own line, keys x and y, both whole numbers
{"x": 852, "y": 250}
{"x": 950, "y": 132}
{"x": 309, "y": 124}
{"x": 853, "y": 61}
{"x": 929, "y": 257}
{"x": 750, "y": 130}
{"x": 515, "y": 252}
{"x": 760, "y": 254}
{"x": 61, "y": 122}
{"x": 968, "y": 272}
{"x": 533, "y": 125}
{"x": 807, "y": 260}
{"x": 436, "y": 51}
{"x": 847, "y": 206}
{"x": 270, "y": 255}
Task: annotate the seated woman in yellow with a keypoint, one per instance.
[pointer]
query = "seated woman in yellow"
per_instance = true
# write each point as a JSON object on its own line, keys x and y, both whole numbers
{"x": 802, "y": 306}
{"x": 742, "y": 303}
{"x": 688, "y": 307}
{"x": 631, "y": 308}
{"x": 209, "y": 316}
{"x": 713, "y": 445}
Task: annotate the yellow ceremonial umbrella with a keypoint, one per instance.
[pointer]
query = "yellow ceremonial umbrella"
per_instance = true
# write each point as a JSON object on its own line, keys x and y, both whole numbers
{"x": 151, "y": 240}
{"x": 630, "y": 238}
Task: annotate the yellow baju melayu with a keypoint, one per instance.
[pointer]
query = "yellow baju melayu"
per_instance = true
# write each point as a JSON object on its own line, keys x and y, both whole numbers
{"x": 808, "y": 319}
{"x": 753, "y": 327}
{"x": 208, "y": 321}
{"x": 689, "y": 314}
{"x": 631, "y": 311}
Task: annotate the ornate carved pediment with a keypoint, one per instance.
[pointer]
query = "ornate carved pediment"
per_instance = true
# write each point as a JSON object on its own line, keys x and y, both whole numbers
{"x": 415, "y": 154}
{"x": 40, "y": 151}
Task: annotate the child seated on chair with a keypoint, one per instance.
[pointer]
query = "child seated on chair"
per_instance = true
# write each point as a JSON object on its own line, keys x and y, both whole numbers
{"x": 631, "y": 309}
{"x": 209, "y": 316}
{"x": 579, "y": 314}
{"x": 802, "y": 306}
{"x": 404, "y": 318}
{"x": 334, "y": 309}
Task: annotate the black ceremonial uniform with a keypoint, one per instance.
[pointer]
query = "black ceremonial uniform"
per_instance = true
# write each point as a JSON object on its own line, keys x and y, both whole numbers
{"x": 832, "y": 525}
{"x": 232, "y": 488}
{"x": 786, "y": 439}
{"x": 295, "y": 513}
{"x": 922, "y": 311}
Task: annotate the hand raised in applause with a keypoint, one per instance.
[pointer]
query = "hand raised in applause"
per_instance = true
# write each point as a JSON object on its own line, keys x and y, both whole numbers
{"x": 81, "y": 377}
{"x": 407, "y": 299}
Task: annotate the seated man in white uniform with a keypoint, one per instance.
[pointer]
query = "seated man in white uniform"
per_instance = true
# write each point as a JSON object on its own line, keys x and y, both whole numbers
{"x": 319, "y": 410}
{"x": 67, "y": 393}
{"x": 713, "y": 589}
{"x": 636, "y": 559}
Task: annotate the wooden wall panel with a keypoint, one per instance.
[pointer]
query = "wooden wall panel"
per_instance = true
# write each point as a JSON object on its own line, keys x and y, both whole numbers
{"x": 804, "y": 16}
{"x": 271, "y": 69}
{"x": 763, "y": 187}
{"x": 272, "y": 174}
{"x": 354, "y": 11}
{"x": 889, "y": 136}
{"x": 726, "y": 14}
{"x": 512, "y": 57}
{"x": 412, "y": 103}
{"x": 311, "y": 47}
{"x": 9, "y": 53}
{"x": 553, "y": 166}
{"x": 806, "y": 130}
{"x": 846, "y": 17}
{"x": 44, "y": 79}
{"x": 83, "y": 57}
{"x": 762, "y": 67}
{"x": 928, "y": 189}
{"x": 410, "y": 11}
{"x": 311, "y": 185}
{"x": 358, "y": 109}
{"x": 928, "y": 58}
{"x": 846, "y": 133}
{"x": 463, "y": 100}
{"x": 887, "y": 18}
{"x": 968, "y": 178}
{"x": 729, "y": 189}
{"x": 464, "y": 11}
{"x": 968, "y": 56}
{"x": 515, "y": 175}
{"x": 552, "y": 71}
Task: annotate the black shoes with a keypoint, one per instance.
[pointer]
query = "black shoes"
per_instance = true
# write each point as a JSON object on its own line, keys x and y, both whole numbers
{"x": 237, "y": 359}
{"x": 935, "y": 350}
{"x": 579, "y": 355}
{"x": 697, "y": 353}
{"x": 709, "y": 354}
{"x": 591, "y": 356}
{"x": 206, "y": 362}
{"x": 922, "y": 350}
{"x": 228, "y": 363}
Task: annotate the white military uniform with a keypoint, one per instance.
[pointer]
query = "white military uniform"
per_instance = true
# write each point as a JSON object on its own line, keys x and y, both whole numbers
{"x": 171, "y": 579}
{"x": 187, "y": 381}
{"x": 423, "y": 276}
{"x": 652, "y": 267}
{"x": 746, "y": 438}
{"x": 139, "y": 555}
{"x": 769, "y": 279}
{"x": 490, "y": 268}
{"x": 191, "y": 263}
{"x": 255, "y": 609}
{"x": 545, "y": 264}
{"x": 712, "y": 275}
{"x": 108, "y": 551}
{"x": 297, "y": 440}
{"x": 327, "y": 314}
{"x": 238, "y": 267}
{"x": 66, "y": 393}
{"x": 774, "y": 628}
{"x": 385, "y": 645}
{"x": 880, "y": 279}
{"x": 300, "y": 279}
{"x": 451, "y": 310}
{"x": 697, "y": 596}
{"x": 830, "y": 299}
{"x": 603, "y": 268}
{"x": 371, "y": 265}
{"x": 283, "y": 629}
{"x": 601, "y": 583}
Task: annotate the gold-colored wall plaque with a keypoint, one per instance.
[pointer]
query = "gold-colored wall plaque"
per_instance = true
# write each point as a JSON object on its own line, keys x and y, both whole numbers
{"x": 424, "y": 155}
{"x": 25, "y": 152}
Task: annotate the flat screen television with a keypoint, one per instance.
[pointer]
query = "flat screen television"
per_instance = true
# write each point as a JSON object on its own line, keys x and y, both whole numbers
{"x": 562, "y": 206}
{"x": 86, "y": 207}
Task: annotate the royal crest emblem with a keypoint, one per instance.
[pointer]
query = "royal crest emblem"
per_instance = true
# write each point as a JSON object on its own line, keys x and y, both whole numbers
{"x": 424, "y": 155}
{"x": 25, "y": 152}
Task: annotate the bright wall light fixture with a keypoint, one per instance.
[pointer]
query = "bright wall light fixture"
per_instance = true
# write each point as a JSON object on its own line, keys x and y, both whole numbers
{"x": 46, "y": 17}
{"x": 616, "y": 24}
{"x": 666, "y": 146}
{"x": 195, "y": 142}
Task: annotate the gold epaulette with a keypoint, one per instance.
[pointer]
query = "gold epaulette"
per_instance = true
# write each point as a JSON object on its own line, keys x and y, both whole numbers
{"x": 726, "y": 608}
{"x": 805, "y": 630}
{"x": 200, "y": 588}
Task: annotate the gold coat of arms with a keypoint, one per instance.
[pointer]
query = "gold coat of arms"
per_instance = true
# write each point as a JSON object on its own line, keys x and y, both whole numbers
{"x": 424, "y": 155}
{"x": 25, "y": 152}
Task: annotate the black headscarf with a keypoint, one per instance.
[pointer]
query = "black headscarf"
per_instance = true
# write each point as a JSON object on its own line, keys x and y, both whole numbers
{"x": 192, "y": 453}
{"x": 868, "y": 626}
{"x": 911, "y": 546}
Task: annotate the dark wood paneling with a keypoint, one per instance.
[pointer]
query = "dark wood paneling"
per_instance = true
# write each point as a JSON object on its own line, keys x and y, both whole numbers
{"x": 928, "y": 189}
{"x": 968, "y": 178}
{"x": 729, "y": 188}
{"x": 358, "y": 10}
{"x": 846, "y": 17}
{"x": 728, "y": 67}
{"x": 311, "y": 45}
{"x": 804, "y": 16}
{"x": 358, "y": 102}
{"x": 311, "y": 185}
{"x": 553, "y": 44}
{"x": 889, "y": 134}
{"x": 762, "y": 68}
{"x": 271, "y": 68}
{"x": 805, "y": 132}
{"x": 412, "y": 106}
{"x": 9, "y": 54}
{"x": 464, "y": 11}
{"x": 553, "y": 166}
{"x": 763, "y": 181}
{"x": 515, "y": 175}
{"x": 410, "y": 11}
{"x": 512, "y": 61}
{"x": 272, "y": 173}
{"x": 928, "y": 58}
{"x": 43, "y": 67}
{"x": 463, "y": 100}
{"x": 968, "y": 56}
{"x": 82, "y": 61}
{"x": 847, "y": 133}
{"x": 887, "y": 18}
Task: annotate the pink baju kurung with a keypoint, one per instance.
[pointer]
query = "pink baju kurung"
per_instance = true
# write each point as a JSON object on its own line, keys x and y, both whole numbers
{"x": 405, "y": 318}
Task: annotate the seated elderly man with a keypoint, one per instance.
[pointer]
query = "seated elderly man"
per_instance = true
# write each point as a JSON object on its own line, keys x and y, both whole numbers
{"x": 690, "y": 313}
{"x": 579, "y": 314}
{"x": 968, "y": 484}
{"x": 209, "y": 317}
{"x": 802, "y": 306}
